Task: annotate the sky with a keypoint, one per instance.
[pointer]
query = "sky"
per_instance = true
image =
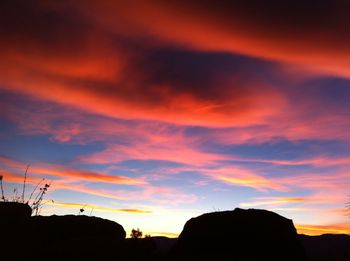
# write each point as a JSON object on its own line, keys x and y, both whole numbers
{"x": 149, "y": 113}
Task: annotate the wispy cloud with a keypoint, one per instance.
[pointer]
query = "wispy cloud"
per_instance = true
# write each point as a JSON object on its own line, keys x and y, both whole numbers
{"x": 75, "y": 181}
{"x": 323, "y": 229}
{"x": 99, "y": 208}
{"x": 273, "y": 201}
{"x": 244, "y": 177}
{"x": 73, "y": 174}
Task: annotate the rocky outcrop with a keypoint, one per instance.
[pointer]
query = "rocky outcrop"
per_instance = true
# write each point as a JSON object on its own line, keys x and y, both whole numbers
{"x": 14, "y": 211}
{"x": 14, "y": 221}
{"x": 77, "y": 236}
{"x": 58, "y": 237}
{"x": 239, "y": 235}
{"x": 76, "y": 227}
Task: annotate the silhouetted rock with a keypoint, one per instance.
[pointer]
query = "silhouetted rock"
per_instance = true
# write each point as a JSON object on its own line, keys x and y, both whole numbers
{"x": 23, "y": 237}
{"x": 71, "y": 226}
{"x": 76, "y": 236}
{"x": 14, "y": 211}
{"x": 326, "y": 247}
{"x": 239, "y": 235}
{"x": 14, "y": 220}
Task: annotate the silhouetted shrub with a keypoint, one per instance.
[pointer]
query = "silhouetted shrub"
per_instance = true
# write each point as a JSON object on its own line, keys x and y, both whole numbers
{"x": 136, "y": 233}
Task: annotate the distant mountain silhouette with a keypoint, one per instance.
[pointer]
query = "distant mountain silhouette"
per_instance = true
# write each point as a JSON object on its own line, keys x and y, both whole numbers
{"x": 239, "y": 235}
{"x": 327, "y": 247}
{"x": 164, "y": 244}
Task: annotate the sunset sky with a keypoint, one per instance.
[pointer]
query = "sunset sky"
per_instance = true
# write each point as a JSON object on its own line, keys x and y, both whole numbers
{"x": 152, "y": 112}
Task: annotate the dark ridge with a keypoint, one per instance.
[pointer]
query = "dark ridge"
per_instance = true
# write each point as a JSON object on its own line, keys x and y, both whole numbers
{"x": 327, "y": 247}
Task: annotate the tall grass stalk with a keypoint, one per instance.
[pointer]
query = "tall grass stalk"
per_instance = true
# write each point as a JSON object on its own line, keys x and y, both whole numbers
{"x": 36, "y": 187}
{"x": 24, "y": 183}
{"x": 2, "y": 189}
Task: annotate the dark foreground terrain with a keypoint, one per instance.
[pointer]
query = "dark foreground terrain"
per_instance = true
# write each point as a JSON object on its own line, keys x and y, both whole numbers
{"x": 229, "y": 235}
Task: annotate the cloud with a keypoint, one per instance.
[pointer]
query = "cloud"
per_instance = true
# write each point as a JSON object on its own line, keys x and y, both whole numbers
{"x": 171, "y": 149}
{"x": 246, "y": 178}
{"x": 80, "y": 181}
{"x": 74, "y": 175}
{"x": 314, "y": 201}
{"x": 79, "y": 58}
{"x": 310, "y": 34}
{"x": 274, "y": 201}
{"x": 99, "y": 208}
{"x": 315, "y": 230}
{"x": 233, "y": 175}
{"x": 338, "y": 182}
{"x": 69, "y": 60}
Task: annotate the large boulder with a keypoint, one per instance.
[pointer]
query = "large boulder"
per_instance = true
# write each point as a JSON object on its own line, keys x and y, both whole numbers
{"x": 57, "y": 237}
{"x": 239, "y": 235}
{"x": 14, "y": 220}
{"x": 14, "y": 211}
{"x": 76, "y": 227}
{"x": 78, "y": 237}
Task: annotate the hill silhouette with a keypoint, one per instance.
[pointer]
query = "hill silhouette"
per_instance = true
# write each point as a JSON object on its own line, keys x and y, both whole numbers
{"x": 327, "y": 247}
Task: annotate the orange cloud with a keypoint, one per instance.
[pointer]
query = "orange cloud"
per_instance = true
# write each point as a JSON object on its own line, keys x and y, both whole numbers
{"x": 88, "y": 176}
{"x": 307, "y": 34}
{"x": 315, "y": 230}
{"x": 75, "y": 181}
{"x": 75, "y": 63}
{"x": 182, "y": 108}
{"x": 274, "y": 201}
{"x": 175, "y": 149}
{"x": 82, "y": 59}
{"x": 14, "y": 178}
{"x": 242, "y": 177}
{"x": 75, "y": 175}
{"x": 99, "y": 208}
{"x": 66, "y": 185}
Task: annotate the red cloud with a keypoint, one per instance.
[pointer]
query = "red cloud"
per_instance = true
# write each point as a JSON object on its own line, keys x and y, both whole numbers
{"x": 310, "y": 34}
{"x": 84, "y": 60}
{"x": 72, "y": 61}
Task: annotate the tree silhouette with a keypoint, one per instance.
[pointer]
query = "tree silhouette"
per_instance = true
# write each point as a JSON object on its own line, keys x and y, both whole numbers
{"x": 136, "y": 233}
